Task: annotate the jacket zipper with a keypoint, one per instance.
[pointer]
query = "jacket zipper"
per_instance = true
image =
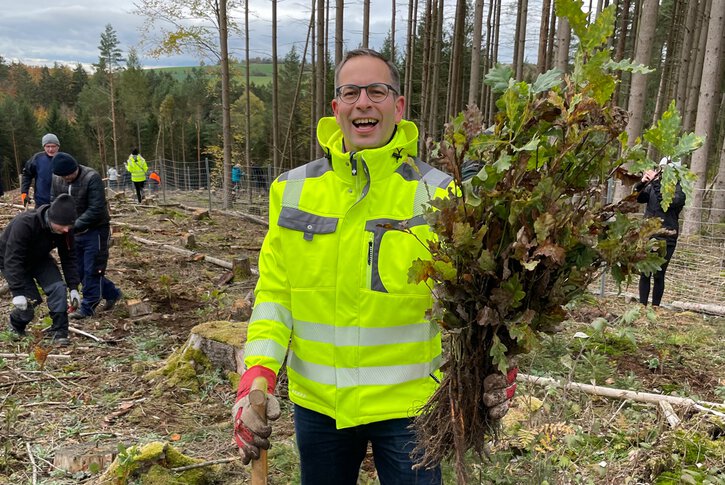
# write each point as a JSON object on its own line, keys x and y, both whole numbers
{"x": 371, "y": 249}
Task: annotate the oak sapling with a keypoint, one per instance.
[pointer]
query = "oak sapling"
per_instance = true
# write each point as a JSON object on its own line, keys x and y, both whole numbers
{"x": 530, "y": 230}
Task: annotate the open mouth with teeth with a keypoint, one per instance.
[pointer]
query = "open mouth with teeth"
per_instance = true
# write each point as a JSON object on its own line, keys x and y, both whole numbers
{"x": 365, "y": 123}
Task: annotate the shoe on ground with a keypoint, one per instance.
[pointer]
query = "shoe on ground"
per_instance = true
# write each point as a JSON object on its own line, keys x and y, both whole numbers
{"x": 61, "y": 341}
{"x": 77, "y": 315}
{"x": 108, "y": 305}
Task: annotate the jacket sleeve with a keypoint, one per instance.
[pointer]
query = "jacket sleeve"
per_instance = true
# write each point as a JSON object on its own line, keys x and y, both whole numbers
{"x": 16, "y": 257}
{"x": 96, "y": 205}
{"x": 28, "y": 175}
{"x": 68, "y": 260}
{"x": 678, "y": 201}
{"x": 143, "y": 164}
{"x": 644, "y": 193}
{"x": 270, "y": 326}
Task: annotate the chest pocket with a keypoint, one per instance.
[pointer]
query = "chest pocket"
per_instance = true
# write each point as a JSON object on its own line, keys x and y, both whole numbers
{"x": 391, "y": 253}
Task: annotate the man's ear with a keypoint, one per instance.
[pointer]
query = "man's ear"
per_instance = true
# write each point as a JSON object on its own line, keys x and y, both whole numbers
{"x": 399, "y": 108}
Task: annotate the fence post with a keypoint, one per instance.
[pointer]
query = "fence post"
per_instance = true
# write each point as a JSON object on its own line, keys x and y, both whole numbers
{"x": 610, "y": 197}
{"x": 208, "y": 180}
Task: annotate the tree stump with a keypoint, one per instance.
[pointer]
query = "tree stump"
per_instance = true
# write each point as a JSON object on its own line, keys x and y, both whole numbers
{"x": 137, "y": 308}
{"x": 222, "y": 342}
{"x": 77, "y": 458}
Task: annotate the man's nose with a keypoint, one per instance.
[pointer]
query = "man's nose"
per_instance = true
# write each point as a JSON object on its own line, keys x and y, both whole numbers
{"x": 363, "y": 99}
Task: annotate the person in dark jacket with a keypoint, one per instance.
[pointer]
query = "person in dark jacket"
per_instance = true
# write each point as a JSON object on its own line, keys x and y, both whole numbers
{"x": 26, "y": 263}
{"x": 38, "y": 169}
{"x": 649, "y": 193}
{"x": 92, "y": 231}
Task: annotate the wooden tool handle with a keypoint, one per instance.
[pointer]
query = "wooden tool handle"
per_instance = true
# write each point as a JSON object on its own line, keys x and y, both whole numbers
{"x": 258, "y": 401}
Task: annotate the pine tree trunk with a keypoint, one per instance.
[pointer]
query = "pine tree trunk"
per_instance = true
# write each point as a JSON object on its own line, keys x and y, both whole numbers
{"x": 695, "y": 76}
{"x": 455, "y": 87}
{"x": 366, "y": 24}
{"x": 686, "y": 53}
{"x": 392, "y": 32}
{"x": 717, "y": 214}
{"x": 621, "y": 42}
{"x": 521, "y": 39}
{"x": 494, "y": 55}
{"x": 226, "y": 103}
{"x": 410, "y": 55}
{"x": 275, "y": 94}
{"x": 476, "y": 52}
{"x": 543, "y": 36}
{"x": 339, "y": 18}
{"x": 563, "y": 38}
{"x": 706, "y": 104}
{"x": 551, "y": 40}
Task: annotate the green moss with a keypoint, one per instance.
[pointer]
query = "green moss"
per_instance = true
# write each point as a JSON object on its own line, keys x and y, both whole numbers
{"x": 231, "y": 333}
{"x": 180, "y": 370}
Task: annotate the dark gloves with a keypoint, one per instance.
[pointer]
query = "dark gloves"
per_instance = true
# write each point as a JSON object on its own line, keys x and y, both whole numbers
{"x": 251, "y": 431}
{"x": 498, "y": 390}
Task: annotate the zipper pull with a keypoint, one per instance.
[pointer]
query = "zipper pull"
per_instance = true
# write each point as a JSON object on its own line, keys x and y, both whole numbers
{"x": 353, "y": 163}
{"x": 370, "y": 253}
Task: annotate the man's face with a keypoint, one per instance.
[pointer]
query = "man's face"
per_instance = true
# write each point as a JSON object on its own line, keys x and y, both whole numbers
{"x": 51, "y": 149}
{"x": 60, "y": 228}
{"x": 365, "y": 123}
{"x": 70, "y": 177}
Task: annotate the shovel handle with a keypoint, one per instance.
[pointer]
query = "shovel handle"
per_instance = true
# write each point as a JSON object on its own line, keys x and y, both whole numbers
{"x": 258, "y": 401}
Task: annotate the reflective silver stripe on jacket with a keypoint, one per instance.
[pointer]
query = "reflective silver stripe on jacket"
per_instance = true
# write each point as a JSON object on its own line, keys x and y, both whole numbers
{"x": 362, "y": 376}
{"x": 296, "y": 179}
{"x": 266, "y": 348}
{"x": 365, "y": 336}
{"x": 272, "y": 311}
{"x": 432, "y": 179}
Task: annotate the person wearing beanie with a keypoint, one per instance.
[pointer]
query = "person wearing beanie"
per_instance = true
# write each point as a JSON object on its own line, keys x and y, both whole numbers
{"x": 26, "y": 262}
{"x": 137, "y": 167}
{"x": 38, "y": 169}
{"x": 92, "y": 231}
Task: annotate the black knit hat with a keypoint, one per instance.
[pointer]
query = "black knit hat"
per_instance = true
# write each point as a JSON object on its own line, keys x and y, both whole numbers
{"x": 63, "y": 210}
{"x": 64, "y": 164}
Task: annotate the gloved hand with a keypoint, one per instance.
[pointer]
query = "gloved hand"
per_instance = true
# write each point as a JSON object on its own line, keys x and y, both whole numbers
{"x": 75, "y": 299}
{"x": 24, "y": 199}
{"x": 20, "y": 302}
{"x": 498, "y": 390}
{"x": 250, "y": 430}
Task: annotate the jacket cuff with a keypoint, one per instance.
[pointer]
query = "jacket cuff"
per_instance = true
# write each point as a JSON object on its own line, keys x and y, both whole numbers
{"x": 245, "y": 383}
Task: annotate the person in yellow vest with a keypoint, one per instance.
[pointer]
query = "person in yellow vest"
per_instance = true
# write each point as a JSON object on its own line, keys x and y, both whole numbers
{"x": 333, "y": 296}
{"x": 137, "y": 167}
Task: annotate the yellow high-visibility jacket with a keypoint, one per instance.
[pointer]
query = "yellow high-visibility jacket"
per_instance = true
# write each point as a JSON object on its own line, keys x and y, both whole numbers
{"x": 136, "y": 165}
{"x": 333, "y": 282}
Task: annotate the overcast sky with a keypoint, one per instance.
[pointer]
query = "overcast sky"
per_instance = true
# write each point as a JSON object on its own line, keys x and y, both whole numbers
{"x": 39, "y": 32}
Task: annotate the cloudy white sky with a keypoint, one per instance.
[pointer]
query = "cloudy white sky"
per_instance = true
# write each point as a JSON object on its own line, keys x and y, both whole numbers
{"x": 41, "y": 32}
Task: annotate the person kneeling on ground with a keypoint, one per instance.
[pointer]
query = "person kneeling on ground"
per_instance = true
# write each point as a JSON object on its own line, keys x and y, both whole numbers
{"x": 25, "y": 260}
{"x": 92, "y": 231}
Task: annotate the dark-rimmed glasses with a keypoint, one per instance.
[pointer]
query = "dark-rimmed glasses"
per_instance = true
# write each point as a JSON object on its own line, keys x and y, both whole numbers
{"x": 377, "y": 92}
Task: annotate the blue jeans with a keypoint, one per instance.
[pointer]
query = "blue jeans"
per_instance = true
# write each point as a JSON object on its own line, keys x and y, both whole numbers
{"x": 92, "y": 255}
{"x": 333, "y": 456}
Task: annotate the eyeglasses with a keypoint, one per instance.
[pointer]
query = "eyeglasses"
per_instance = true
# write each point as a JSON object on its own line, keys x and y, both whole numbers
{"x": 377, "y": 92}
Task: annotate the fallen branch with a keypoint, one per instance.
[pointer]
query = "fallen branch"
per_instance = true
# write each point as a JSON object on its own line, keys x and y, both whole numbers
{"x": 672, "y": 419}
{"x": 25, "y": 356}
{"x": 188, "y": 253}
{"x": 611, "y": 392}
{"x": 32, "y": 461}
{"x": 85, "y": 334}
{"x": 28, "y": 381}
{"x": 133, "y": 227}
{"x": 203, "y": 464}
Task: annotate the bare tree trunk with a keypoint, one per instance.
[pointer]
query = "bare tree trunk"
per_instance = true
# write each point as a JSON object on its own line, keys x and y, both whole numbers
{"x": 275, "y": 94}
{"x": 563, "y": 38}
{"x": 455, "y": 67}
{"x": 494, "y": 56}
{"x": 704, "y": 123}
{"x": 642, "y": 55}
{"x": 475, "y": 52}
{"x": 392, "y": 32}
{"x": 437, "y": 48}
{"x": 717, "y": 213}
{"x": 428, "y": 36}
{"x": 313, "y": 87}
{"x": 686, "y": 53}
{"x": 320, "y": 71}
{"x": 550, "y": 41}
{"x": 621, "y": 42}
{"x": 339, "y": 17}
{"x": 366, "y": 24}
{"x": 543, "y": 36}
{"x": 521, "y": 39}
{"x": 226, "y": 104}
{"x": 410, "y": 55}
{"x": 697, "y": 67}
{"x": 483, "y": 99}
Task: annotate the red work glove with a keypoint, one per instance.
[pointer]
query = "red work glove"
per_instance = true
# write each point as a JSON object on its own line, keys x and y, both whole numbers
{"x": 24, "y": 199}
{"x": 250, "y": 429}
{"x": 498, "y": 390}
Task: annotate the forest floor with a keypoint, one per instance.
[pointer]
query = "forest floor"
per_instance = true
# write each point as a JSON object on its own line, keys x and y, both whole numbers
{"x": 97, "y": 393}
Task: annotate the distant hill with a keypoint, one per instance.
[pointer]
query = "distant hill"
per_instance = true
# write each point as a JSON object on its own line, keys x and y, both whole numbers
{"x": 260, "y": 73}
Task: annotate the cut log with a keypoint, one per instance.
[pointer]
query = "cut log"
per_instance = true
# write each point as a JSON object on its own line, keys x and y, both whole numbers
{"x": 241, "y": 268}
{"x": 241, "y": 309}
{"x": 79, "y": 458}
{"x": 138, "y": 308}
{"x": 188, "y": 240}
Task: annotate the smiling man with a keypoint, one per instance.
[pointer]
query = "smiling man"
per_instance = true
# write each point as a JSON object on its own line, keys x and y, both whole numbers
{"x": 333, "y": 287}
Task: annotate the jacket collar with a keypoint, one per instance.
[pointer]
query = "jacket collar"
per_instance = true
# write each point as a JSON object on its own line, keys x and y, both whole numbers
{"x": 380, "y": 162}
